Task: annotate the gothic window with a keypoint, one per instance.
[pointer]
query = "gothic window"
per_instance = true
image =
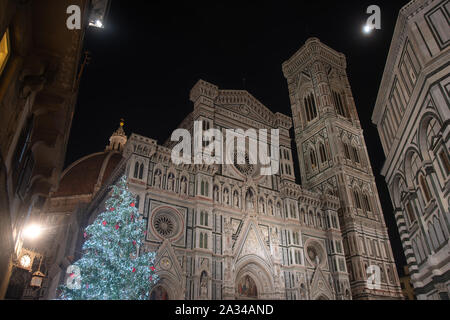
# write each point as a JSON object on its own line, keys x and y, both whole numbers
{"x": 310, "y": 107}
{"x": 355, "y": 154}
{"x": 323, "y": 154}
{"x": 346, "y": 151}
{"x": 5, "y": 50}
{"x": 366, "y": 203}
{"x": 296, "y": 238}
{"x": 313, "y": 159}
{"x": 141, "y": 171}
{"x": 425, "y": 189}
{"x": 297, "y": 257}
{"x": 203, "y": 240}
{"x": 357, "y": 199}
{"x": 339, "y": 102}
{"x": 136, "y": 170}
{"x": 204, "y": 188}
{"x": 203, "y": 218}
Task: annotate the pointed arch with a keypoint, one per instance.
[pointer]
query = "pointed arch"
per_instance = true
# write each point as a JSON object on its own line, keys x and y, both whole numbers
{"x": 141, "y": 171}
{"x": 136, "y": 170}
{"x": 323, "y": 153}
{"x": 313, "y": 159}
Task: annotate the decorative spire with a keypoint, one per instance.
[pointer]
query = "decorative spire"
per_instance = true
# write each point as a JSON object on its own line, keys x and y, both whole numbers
{"x": 118, "y": 138}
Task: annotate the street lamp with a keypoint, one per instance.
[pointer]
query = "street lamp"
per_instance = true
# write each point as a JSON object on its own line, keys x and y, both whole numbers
{"x": 33, "y": 231}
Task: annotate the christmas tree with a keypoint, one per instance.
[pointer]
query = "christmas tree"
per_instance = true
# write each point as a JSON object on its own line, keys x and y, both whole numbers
{"x": 112, "y": 268}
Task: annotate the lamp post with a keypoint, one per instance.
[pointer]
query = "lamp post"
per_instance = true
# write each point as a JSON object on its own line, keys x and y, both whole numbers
{"x": 32, "y": 232}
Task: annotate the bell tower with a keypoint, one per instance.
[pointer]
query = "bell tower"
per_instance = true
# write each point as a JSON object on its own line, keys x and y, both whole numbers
{"x": 334, "y": 160}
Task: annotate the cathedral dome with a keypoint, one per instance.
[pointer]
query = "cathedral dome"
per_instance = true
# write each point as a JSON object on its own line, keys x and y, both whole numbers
{"x": 87, "y": 175}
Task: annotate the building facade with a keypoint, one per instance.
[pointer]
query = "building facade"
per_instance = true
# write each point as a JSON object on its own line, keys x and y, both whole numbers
{"x": 39, "y": 76}
{"x": 228, "y": 232}
{"x": 412, "y": 116}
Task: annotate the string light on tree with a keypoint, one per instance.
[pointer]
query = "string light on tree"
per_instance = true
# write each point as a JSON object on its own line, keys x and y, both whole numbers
{"x": 113, "y": 266}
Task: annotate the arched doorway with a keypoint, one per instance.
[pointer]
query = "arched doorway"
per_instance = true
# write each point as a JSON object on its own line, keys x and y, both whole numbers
{"x": 253, "y": 279}
{"x": 159, "y": 293}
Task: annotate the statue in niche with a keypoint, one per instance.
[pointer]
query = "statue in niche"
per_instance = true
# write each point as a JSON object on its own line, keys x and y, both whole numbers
{"x": 183, "y": 185}
{"x": 204, "y": 285}
{"x": 236, "y": 199}
{"x": 216, "y": 193}
{"x": 170, "y": 182}
{"x": 157, "y": 183}
{"x": 226, "y": 197}
{"x": 262, "y": 207}
{"x": 270, "y": 208}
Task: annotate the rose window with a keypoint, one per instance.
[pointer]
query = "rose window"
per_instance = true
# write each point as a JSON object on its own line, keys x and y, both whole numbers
{"x": 164, "y": 226}
{"x": 166, "y": 223}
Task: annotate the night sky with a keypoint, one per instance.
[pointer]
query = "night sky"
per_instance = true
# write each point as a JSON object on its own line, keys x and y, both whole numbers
{"x": 151, "y": 53}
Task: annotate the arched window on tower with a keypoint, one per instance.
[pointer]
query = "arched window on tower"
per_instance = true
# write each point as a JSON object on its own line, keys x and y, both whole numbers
{"x": 323, "y": 153}
{"x": 346, "y": 151}
{"x": 339, "y": 102}
{"x": 141, "y": 171}
{"x": 136, "y": 170}
{"x": 355, "y": 154}
{"x": 357, "y": 199}
{"x": 313, "y": 159}
{"x": 310, "y": 107}
{"x": 366, "y": 203}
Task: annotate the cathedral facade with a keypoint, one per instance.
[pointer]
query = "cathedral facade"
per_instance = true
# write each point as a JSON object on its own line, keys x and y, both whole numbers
{"x": 228, "y": 232}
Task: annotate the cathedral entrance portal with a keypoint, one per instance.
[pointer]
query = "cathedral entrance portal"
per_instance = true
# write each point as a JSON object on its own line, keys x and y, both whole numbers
{"x": 159, "y": 293}
{"x": 253, "y": 281}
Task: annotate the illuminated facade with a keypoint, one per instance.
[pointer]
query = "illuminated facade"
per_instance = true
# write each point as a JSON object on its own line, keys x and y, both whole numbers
{"x": 412, "y": 116}
{"x": 227, "y": 232}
